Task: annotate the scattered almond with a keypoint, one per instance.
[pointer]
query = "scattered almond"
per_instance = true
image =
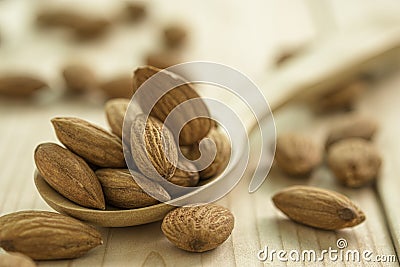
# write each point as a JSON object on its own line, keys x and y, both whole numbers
{"x": 352, "y": 127}
{"x": 45, "y": 235}
{"x": 79, "y": 78}
{"x": 198, "y": 228}
{"x": 175, "y": 36}
{"x": 318, "y": 208}
{"x": 20, "y": 86}
{"x": 355, "y": 162}
{"x": 297, "y": 154}
{"x": 119, "y": 87}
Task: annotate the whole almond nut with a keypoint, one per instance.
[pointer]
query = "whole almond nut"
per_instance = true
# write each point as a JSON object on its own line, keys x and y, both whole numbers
{"x": 355, "y": 162}
{"x": 341, "y": 97}
{"x": 15, "y": 259}
{"x": 69, "y": 175}
{"x": 45, "y": 235}
{"x": 115, "y": 113}
{"x": 135, "y": 12}
{"x": 222, "y": 156}
{"x": 175, "y": 36}
{"x": 153, "y": 147}
{"x": 20, "y": 86}
{"x": 89, "y": 141}
{"x": 162, "y": 60}
{"x": 122, "y": 191}
{"x": 90, "y": 28}
{"x": 57, "y": 18}
{"x": 352, "y": 127}
{"x": 185, "y": 174}
{"x": 79, "y": 78}
{"x": 318, "y": 207}
{"x": 297, "y": 154}
{"x": 119, "y": 87}
{"x": 195, "y": 112}
{"x": 198, "y": 228}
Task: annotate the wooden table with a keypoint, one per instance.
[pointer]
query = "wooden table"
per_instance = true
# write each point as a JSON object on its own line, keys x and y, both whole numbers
{"x": 229, "y": 37}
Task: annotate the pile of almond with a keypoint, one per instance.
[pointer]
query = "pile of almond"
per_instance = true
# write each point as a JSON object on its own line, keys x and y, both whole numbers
{"x": 351, "y": 156}
{"x": 90, "y": 170}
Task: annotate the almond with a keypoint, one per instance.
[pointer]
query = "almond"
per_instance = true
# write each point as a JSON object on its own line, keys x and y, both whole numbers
{"x": 195, "y": 112}
{"x": 355, "y": 162}
{"x": 20, "y": 86}
{"x": 153, "y": 147}
{"x": 45, "y": 235}
{"x": 198, "y": 228}
{"x": 79, "y": 78}
{"x": 222, "y": 156}
{"x": 297, "y": 154}
{"x": 185, "y": 174}
{"x": 89, "y": 141}
{"x": 352, "y": 126}
{"x": 121, "y": 189}
{"x": 69, "y": 175}
{"x": 119, "y": 87}
{"x": 318, "y": 207}
{"x": 115, "y": 113}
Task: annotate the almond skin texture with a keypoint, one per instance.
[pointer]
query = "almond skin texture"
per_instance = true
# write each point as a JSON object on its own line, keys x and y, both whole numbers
{"x": 45, "y": 235}
{"x": 15, "y": 259}
{"x": 115, "y": 113}
{"x": 122, "y": 191}
{"x": 153, "y": 147}
{"x": 119, "y": 87}
{"x": 79, "y": 78}
{"x": 222, "y": 156}
{"x": 352, "y": 127}
{"x": 20, "y": 86}
{"x": 69, "y": 175}
{"x": 198, "y": 228}
{"x": 89, "y": 141}
{"x": 185, "y": 174}
{"x": 195, "y": 113}
{"x": 318, "y": 207}
{"x": 355, "y": 162}
{"x": 297, "y": 154}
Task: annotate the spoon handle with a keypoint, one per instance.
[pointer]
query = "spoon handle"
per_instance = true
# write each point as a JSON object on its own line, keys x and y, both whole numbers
{"x": 326, "y": 63}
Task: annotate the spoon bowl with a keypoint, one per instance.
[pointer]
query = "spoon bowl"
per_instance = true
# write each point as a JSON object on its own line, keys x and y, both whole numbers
{"x": 111, "y": 217}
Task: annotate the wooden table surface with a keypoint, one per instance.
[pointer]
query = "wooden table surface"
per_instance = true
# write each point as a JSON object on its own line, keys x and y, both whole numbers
{"x": 227, "y": 35}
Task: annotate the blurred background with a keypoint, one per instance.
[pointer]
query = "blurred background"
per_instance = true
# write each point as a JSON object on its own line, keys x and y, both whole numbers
{"x": 110, "y": 39}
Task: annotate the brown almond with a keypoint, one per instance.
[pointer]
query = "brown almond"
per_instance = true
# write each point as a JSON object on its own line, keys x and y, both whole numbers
{"x": 153, "y": 147}
{"x": 318, "y": 207}
{"x": 355, "y": 162}
{"x": 57, "y": 18}
{"x": 195, "y": 112}
{"x": 341, "y": 96}
{"x": 119, "y": 87}
{"x": 15, "y": 259}
{"x": 352, "y": 127}
{"x": 20, "y": 86}
{"x": 135, "y": 12}
{"x": 297, "y": 154}
{"x": 222, "y": 156}
{"x": 163, "y": 60}
{"x": 69, "y": 175}
{"x": 45, "y": 235}
{"x": 175, "y": 36}
{"x": 121, "y": 189}
{"x": 185, "y": 174}
{"x": 90, "y": 28}
{"x": 115, "y": 113}
{"x": 79, "y": 78}
{"x": 89, "y": 141}
{"x": 198, "y": 228}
